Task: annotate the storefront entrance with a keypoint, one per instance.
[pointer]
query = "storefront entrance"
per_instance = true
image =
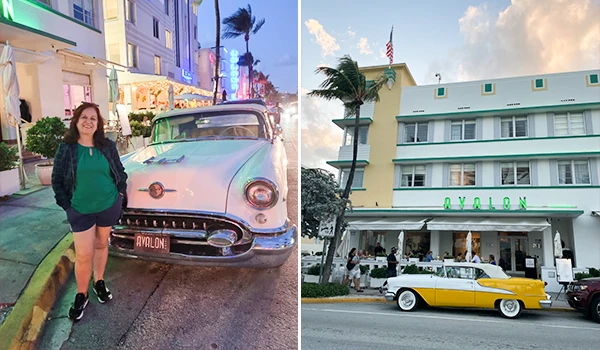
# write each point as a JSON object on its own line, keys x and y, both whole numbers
{"x": 513, "y": 250}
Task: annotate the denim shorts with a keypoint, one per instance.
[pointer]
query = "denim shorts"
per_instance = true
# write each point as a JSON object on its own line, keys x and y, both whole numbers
{"x": 109, "y": 217}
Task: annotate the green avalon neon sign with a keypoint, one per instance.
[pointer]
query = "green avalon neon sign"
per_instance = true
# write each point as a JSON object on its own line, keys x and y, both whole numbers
{"x": 477, "y": 203}
{"x": 7, "y": 9}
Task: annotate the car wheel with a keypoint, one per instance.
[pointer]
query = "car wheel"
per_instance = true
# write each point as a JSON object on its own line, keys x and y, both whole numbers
{"x": 510, "y": 308}
{"x": 595, "y": 309}
{"x": 407, "y": 300}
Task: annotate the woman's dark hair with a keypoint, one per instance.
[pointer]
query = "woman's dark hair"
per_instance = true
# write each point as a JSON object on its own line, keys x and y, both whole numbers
{"x": 352, "y": 251}
{"x": 492, "y": 257}
{"x": 72, "y": 135}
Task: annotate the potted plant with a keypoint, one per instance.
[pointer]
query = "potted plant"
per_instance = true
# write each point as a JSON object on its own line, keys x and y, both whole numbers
{"x": 377, "y": 277}
{"x": 364, "y": 275}
{"x": 43, "y": 138}
{"x": 312, "y": 275}
{"x": 9, "y": 171}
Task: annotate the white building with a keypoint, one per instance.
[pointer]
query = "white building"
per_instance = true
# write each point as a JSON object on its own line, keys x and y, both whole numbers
{"x": 512, "y": 160}
{"x": 60, "y": 56}
{"x": 157, "y": 41}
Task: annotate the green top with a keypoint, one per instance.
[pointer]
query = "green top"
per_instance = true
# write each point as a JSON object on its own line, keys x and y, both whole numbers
{"x": 95, "y": 189}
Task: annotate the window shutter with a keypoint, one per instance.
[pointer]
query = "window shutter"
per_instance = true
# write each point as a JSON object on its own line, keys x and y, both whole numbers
{"x": 587, "y": 114}
{"x": 479, "y": 174}
{"x": 533, "y": 175}
{"x": 447, "y": 129}
{"x": 594, "y": 172}
{"x": 430, "y": 129}
{"x": 531, "y": 124}
{"x": 397, "y": 175}
{"x": 428, "y": 174}
{"x": 479, "y": 129}
{"x": 550, "y": 120}
{"x": 497, "y": 175}
{"x": 401, "y": 133}
{"x": 497, "y": 126}
{"x": 553, "y": 172}
{"x": 446, "y": 175}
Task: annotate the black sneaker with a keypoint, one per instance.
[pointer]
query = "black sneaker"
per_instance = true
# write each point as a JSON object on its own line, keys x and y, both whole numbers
{"x": 76, "y": 311}
{"x": 102, "y": 292}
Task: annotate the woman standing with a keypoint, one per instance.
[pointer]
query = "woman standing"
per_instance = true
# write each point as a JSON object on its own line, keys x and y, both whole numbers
{"x": 89, "y": 183}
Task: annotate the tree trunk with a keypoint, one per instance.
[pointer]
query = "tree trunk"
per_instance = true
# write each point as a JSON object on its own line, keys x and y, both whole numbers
{"x": 345, "y": 195}
{"x": 218, "y": 53}
{"x": 249, "y": 71}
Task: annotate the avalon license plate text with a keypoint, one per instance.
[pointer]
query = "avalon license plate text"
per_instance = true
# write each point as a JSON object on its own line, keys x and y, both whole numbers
{"x": 152, "y": 243}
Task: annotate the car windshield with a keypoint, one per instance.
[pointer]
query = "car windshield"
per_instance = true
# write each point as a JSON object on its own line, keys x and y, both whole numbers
{"x": 440, "y": 272}
{"x": 213, "y": 125}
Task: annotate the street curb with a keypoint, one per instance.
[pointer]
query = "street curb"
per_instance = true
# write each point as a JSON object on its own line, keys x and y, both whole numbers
{"x": 335, "y": 300}
{"x": 25, "y": 323}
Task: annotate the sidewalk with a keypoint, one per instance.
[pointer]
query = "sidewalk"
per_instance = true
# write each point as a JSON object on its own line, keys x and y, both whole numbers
{"x": 31, "y": 225}
{"x": 373, "y": 295}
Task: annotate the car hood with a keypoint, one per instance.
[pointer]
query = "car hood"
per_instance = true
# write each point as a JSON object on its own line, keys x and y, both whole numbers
{"x": 196, "y": 174}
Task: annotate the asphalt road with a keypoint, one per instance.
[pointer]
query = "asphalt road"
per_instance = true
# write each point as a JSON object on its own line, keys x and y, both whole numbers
{"x": 160, "y": 306}
{"x": 384, "y": 326}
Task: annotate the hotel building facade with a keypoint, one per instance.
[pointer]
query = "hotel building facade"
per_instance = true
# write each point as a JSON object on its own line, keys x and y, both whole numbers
{"x": 511, "y": 160}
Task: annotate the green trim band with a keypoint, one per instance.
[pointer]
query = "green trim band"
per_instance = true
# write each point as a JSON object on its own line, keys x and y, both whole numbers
{"x": 36, "y": 31}
{"x": 507, "y": 156}
{"x": 350, "y": 121}
{"x": 507, "y": 110}
{"x": 358, "y": 189}
{"x": 459, "y": 142}
{"x": 50, "y": 9}
{"x": 520, "y": 188}
{"x": 340, "y": 163}
{"x": 490, "y": 212}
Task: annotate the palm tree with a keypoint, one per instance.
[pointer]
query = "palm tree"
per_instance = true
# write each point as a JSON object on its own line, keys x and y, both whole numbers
{"x": 349, "y": 85}
{"x": 218, "y": 49}
{"x": 243, "y": 23}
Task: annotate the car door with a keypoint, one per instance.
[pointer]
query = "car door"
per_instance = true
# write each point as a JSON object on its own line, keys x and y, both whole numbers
{"x": 457, "y": 288}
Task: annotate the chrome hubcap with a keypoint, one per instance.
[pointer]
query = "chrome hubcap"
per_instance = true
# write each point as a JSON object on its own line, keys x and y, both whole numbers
{"x": 510, "y": 306}
{"x": 407, "y": 300}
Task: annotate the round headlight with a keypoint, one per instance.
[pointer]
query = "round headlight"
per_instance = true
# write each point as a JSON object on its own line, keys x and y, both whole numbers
{"x": 261, "y": 194}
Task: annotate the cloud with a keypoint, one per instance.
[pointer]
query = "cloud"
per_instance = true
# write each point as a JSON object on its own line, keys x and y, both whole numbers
{"x": 287, "y": 60}
{"x": 363, "y": 45}
{"x": 351, "y": 33}
{"x": 328, "y": 43}
{"x": 321, "y": 139}
{"x": 528, "y": 37}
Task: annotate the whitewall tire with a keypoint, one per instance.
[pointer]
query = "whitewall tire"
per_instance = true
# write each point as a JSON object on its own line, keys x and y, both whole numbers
{"x": 510, "y": 308}
{"x": 407, "y": 300}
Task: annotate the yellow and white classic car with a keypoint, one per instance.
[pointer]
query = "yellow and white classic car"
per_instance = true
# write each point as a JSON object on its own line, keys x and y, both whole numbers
{"x": 468, "y": 285}
{"x": 211, "y": 189}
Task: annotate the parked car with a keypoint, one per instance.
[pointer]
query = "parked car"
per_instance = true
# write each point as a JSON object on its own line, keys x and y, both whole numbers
{"x": 211, "y": 189}
{"x": 584, "y": 295}
{"x": 468, "y": 285}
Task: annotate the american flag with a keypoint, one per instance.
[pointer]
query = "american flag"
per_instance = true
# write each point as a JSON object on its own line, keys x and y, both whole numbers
{"x": 390, "y": 48}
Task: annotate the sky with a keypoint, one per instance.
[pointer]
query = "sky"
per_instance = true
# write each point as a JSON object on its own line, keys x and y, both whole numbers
{"x": 275, "y": 44}
{"x": 463, "y": 40}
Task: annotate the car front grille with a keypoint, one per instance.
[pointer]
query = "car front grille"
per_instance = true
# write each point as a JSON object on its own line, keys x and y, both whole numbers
{"x": 188, "y": 233}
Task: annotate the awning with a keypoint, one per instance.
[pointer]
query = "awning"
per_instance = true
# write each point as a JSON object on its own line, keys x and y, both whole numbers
{"x": 387, "y": 224}
{"x": 485, "y": 224}
{"x": 92, "y": 60}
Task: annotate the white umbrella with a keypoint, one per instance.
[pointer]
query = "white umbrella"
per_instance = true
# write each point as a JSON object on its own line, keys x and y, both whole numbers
{"x": 557, "y": 246}
{"x": 344, "y": 247}
{"x": 11, "y": 102}
{"x": 192, "y": 97}
{"x": 469, "y": 247}
{"x": 113, "y": 84}
{"x": 401, "y": 244}
{"x": 171, "y": 97}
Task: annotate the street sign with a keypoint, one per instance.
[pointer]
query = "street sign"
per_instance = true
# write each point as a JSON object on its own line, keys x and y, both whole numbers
{"x": 327, "y": 226}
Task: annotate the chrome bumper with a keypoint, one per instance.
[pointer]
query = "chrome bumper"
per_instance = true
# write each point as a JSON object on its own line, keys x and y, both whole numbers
{"x": 546, "y": 304}
{"x": 389, "y": 296}
{"x": 267, "y": 251}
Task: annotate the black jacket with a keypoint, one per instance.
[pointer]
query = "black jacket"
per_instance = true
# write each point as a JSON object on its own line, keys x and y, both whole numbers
{"x": 65, "y": 170}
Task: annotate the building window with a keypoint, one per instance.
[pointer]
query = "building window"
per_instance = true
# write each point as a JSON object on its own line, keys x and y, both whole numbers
{"x": 83, "y": 10}
{"x": 130, "y": 11}
{"x": 488, "y": 89}
{"x": 77, "y": 88}
{"x": 460, "y": 243}
{"x": 462, "y": 130}
{"x": 157, "y": 70}
{"x": 114, "y": 52}
{"x": 574, "y": 172}
{"x": 513, "y": 127}
{"x": 168, "y": 39}
{"x": 195, "y": 32}
{"x": 515, "y": 173}
{"x": 412, "y": 176}
{"x": 440, "y": 92}
{"x": 187, "y": 51}
{"x": 592, "y": 80}
{"x": 416, "y": 132}
{"x": 111, "y": 10}
{"x": 539, "y": 84}
{"x": 155, "y": 28}
{"x": 132, "y": 51}
{"x": 357, "y": 181}
{"x": 167, "y": 7}
{"x": 462, "y": 174}
{"x": 569, "y": 124}
{"x": 363, "y": 132}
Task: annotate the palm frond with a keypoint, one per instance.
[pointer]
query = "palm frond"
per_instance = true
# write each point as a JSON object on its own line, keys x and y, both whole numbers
{"x": 329, "y": 94}
{"x": 258, "y": 26}
{"x": 372, "y": 94}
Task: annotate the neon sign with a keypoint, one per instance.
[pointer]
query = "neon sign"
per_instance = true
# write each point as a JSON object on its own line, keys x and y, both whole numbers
{"x": 7, "y": 10}
{"x": 187, "y": 76}
{"x": 477, "y": 203}
{"x": 234, "y": 72}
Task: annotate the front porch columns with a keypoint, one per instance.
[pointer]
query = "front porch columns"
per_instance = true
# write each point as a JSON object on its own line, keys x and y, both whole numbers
{"x": 435, "y": 243}
{"x": 548, "y": 246}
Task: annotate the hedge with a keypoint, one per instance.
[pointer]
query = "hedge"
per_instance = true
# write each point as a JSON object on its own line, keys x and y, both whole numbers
{"x": 314, "y": 270}
{"x": 380, "y": 272}
{"x": 314, "y": 290}
{"x": 414, "y": 270}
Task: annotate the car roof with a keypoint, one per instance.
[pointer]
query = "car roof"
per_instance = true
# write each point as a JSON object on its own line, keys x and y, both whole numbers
{"x": 252, "y": 107}
{"x": 491, "y": 270}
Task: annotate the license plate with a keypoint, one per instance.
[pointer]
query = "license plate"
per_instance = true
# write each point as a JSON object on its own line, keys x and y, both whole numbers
{"x": 152, "y": 243}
